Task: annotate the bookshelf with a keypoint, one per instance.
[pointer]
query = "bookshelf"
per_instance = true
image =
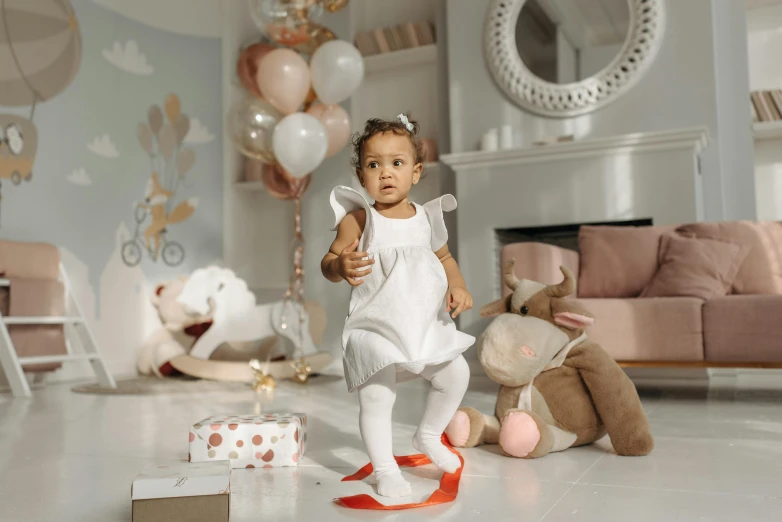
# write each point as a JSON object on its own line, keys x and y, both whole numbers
{"x": 767, "y": 130}
{"x": 766, "y": 105}
{"x": 397, "y": 59}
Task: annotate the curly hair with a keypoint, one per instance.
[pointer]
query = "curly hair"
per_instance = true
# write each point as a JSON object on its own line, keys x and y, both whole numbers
{"x": 376, "y": 126}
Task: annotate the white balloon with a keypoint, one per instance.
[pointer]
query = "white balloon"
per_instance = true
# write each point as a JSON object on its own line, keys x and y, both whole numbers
{"x": 337, "y": 71}
{"x": 300, "y": 143}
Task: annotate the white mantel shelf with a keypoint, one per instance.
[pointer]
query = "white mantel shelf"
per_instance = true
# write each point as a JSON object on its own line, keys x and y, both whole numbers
{"x": 681, "y": 139}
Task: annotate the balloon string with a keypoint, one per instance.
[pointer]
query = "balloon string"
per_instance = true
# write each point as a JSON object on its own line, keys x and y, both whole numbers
{"x": 295, "y": 290}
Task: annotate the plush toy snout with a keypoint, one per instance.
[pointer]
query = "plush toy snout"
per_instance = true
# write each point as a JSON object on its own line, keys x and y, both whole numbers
{"x": 526, "y": 350}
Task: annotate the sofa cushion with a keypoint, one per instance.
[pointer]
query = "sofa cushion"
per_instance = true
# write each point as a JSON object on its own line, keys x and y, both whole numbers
{"x": 537, "y": 262}
{"x": 617, "y": 261}
{"x": 657, "y": 329}
{"x": 743, "y": 328}
{"x": 695, "y": 267}
{"x": 761, "y": 271}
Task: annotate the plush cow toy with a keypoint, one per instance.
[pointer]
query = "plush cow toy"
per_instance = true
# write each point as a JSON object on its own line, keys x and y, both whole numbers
{"x": 578, "y": 394}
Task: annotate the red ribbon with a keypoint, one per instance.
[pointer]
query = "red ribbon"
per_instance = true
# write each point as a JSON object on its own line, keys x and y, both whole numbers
{"x": 449, "y": 484}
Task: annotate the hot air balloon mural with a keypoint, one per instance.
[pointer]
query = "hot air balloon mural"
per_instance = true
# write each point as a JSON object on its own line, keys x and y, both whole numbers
{"x": 40, "y": 54}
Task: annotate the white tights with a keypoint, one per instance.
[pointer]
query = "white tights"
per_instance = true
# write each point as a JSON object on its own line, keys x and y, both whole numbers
{"x": 376, "y": 399}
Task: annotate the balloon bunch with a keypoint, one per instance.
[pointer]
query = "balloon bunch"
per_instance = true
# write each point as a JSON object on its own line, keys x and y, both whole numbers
{"x": 279, "y": 122}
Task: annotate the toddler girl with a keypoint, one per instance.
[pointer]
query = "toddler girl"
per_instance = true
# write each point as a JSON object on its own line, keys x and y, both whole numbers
{"x": 394, "y": 254}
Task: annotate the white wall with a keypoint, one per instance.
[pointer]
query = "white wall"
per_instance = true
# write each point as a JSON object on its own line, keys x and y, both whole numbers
{"x": 734, "y": 131}
{"x": 764, "y": 27}
{"x": 679, "y": 90}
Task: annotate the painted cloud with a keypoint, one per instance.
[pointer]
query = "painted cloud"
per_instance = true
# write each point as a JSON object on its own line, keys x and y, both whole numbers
{"x": 198, "y": 132}
{"x": 103, "y": 146}
{"x": 80, "y": 177}
{"x": 128, "y": 59}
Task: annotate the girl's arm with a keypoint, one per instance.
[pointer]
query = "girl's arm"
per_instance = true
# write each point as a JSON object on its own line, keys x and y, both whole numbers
{"x": 342, "y": 260}
{"x": 458, "y": 298}
{"x": 452, "y": 271}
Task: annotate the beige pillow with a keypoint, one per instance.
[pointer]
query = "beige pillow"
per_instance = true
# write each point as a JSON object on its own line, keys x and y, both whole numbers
{"x": 761, "y": 271}
{"x": 617, "y": 262}
{"x": 693, "y": 267}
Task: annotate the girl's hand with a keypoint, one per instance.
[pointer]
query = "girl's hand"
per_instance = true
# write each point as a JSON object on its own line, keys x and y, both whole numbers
{"x": 349, "y": 261}
{"x": 457, "y": 299}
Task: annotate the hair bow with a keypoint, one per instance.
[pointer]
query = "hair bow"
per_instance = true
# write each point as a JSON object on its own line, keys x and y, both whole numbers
{"x": 406, "y": 122}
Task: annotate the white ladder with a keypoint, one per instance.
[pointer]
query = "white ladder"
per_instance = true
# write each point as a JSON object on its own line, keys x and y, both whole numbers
{"x": 76, "y": 333}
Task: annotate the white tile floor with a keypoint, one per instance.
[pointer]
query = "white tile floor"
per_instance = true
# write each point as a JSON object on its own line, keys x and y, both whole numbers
{"x": 72, "y": 457}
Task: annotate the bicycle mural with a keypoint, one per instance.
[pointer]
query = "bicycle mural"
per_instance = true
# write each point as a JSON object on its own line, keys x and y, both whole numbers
{"x": 170, "y": 162}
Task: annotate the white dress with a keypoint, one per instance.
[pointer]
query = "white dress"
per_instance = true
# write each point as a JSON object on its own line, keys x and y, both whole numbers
{"x": 398, "y": 315}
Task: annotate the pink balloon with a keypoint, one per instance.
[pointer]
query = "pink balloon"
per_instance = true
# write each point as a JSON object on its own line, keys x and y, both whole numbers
{"x": 337, "y": 123}
{"x": 284, "y": 80}
{"x": 247, "y": 65}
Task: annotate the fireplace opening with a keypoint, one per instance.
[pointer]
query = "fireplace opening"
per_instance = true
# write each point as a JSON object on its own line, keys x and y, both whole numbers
{"x": 563, "y": 236}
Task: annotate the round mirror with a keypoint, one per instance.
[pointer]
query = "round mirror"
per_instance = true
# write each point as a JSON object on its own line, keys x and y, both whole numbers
{"x": 563, "y": 58}
{"x": 564, "y": 41}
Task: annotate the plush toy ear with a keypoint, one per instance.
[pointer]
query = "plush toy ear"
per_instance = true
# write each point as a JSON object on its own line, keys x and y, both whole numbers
{"x": 570, "y": 314}
{"x": 573, "y": 320}
{"x": 497, "y": 307}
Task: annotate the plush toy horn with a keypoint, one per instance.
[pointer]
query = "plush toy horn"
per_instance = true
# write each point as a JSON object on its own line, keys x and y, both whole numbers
{"x": 565, "y": 288}
{"x": 510, "y": 276}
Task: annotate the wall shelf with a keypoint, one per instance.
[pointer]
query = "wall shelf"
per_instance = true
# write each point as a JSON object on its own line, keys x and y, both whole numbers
{"x": 426, "y": 54}
{"x": 767, "y": 130}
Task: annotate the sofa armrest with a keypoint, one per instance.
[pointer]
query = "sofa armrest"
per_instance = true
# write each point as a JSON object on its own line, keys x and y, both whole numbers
{"x": 26, "y": 260}
{"x": 539, "y": 262}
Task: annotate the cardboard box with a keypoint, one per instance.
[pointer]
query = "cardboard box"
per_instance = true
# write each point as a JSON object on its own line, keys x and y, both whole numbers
{"x": 250, "y": 441}
{"x": 182, "y": 493}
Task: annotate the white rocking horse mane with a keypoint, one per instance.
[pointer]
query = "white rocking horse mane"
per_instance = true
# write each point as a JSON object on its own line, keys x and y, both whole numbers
{"x": 203, "y": 285}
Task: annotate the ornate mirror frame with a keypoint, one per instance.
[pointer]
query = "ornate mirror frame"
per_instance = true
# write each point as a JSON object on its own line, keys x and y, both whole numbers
{"x": 645, "y": 35}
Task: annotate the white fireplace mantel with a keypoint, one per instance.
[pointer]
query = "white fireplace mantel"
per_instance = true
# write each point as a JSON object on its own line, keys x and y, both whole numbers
{"x": 654, "y": 175}
{"x": 694, "y": 139}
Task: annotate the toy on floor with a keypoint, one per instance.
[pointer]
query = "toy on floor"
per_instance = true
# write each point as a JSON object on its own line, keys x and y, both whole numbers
{"x": 578, "y": 394}
{"x": 236, "y": 317}
{"x": 166, "y": 350}
{"x": 180, "y": 329}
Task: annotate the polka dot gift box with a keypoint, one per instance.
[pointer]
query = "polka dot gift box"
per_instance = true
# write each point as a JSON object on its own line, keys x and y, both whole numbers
{"x": 250, "y": 441}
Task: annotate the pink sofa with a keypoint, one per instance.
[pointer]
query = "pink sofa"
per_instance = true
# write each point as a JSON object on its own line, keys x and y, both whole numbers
{"x": 616, "y": 264}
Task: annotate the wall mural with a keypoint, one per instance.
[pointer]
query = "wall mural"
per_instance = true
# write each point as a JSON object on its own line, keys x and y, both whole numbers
{"x": 40, "y": 54}
{"x": 169, "y": 163}
{"x": 92, "y": 171}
